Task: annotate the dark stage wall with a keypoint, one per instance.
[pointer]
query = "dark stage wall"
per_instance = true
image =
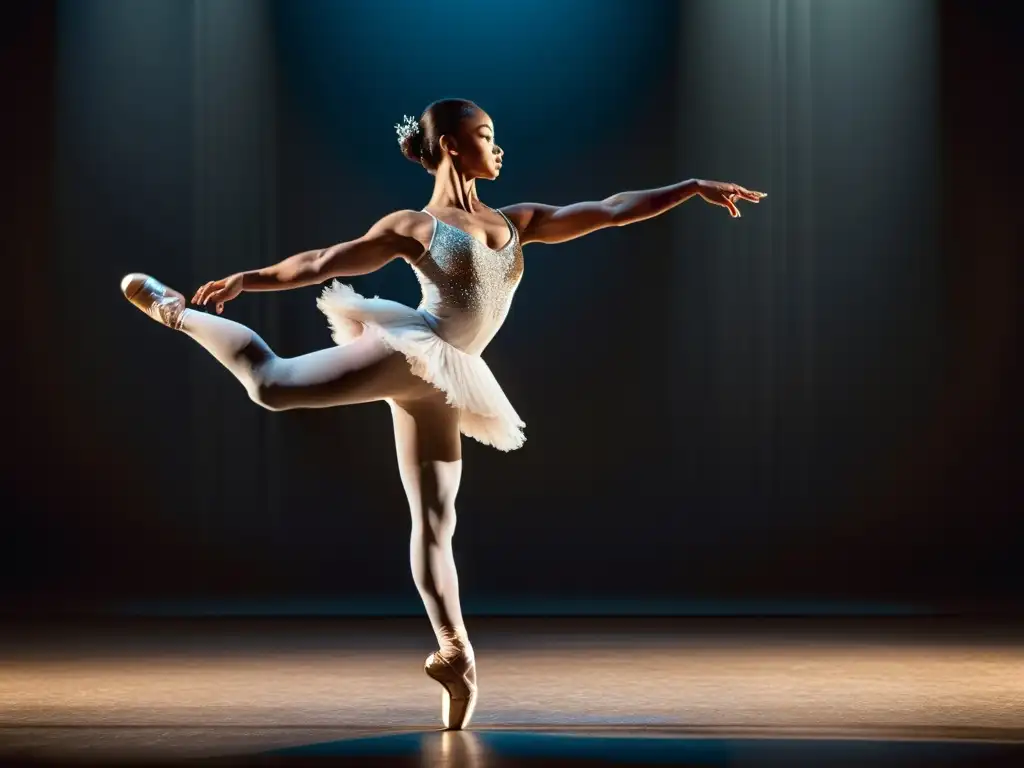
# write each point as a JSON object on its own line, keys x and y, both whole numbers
{"x": 813, "y": 408}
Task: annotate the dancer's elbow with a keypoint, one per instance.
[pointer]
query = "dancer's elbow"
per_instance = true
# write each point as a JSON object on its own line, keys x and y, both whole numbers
{"x": 353, "y": 258}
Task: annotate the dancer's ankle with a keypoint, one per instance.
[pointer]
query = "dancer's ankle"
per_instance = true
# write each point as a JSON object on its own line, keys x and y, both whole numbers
{"x": 454, "y": 642}
{"x": 181, "y": 317}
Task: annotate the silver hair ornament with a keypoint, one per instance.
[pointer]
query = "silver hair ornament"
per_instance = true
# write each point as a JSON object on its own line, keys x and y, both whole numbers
{"x": 410, "y": 126}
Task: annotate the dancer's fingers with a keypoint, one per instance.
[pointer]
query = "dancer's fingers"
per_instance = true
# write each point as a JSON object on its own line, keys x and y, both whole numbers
{"x": 732, "y": 207}
{"x": 220, "y": 295}
{"x": 198, "y": 298}
{"x": 215, "y": 296}
{"x": 220, "y": 307}
{"x": 208, "y": 291}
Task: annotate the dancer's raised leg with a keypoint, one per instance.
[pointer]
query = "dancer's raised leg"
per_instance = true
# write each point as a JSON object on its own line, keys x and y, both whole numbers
{"x": 430, "y": 463}
{"x": 362, "y": 371}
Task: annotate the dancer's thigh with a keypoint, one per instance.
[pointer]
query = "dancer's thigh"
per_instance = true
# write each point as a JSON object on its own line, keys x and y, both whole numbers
{"x": 362, "y": 371}
{"x": 429, "y": 449}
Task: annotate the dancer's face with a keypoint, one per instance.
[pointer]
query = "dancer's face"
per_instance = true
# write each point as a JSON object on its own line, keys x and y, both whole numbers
{"x": 477, "y": 156}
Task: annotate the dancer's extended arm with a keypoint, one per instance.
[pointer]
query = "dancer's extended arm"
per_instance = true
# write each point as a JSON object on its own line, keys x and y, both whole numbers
{"x": 540, "y": 223}
{"x": 386, "y": 240}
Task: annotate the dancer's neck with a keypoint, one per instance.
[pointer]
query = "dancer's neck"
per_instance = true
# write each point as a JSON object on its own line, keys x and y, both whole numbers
{"x": 453, "y": 190}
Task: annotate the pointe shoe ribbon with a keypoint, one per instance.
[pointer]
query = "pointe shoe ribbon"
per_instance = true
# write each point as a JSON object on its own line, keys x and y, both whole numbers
{"x": 457, "y": 677}
{"x": 163, "y": 304}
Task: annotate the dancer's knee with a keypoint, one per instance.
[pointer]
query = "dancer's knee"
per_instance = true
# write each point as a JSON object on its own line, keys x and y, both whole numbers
{"x": 266, "y": 382}
{"x": 434, "y": 523}
{"x": 266, "y": 388}
{"x": 267, "y": 395}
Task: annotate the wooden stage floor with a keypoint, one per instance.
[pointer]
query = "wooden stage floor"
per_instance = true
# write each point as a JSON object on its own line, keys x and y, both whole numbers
{"x": 212, "y": 689}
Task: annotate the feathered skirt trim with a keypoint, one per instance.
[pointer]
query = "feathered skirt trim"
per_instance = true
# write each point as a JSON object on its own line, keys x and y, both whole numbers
{"x": 485, "y": 414}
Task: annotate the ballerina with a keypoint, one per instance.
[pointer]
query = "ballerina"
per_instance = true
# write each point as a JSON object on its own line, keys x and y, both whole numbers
{"x": 425, "y": 362}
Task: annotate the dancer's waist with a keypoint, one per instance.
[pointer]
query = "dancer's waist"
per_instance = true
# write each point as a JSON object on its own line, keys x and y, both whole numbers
{"x": 467, "y": 331}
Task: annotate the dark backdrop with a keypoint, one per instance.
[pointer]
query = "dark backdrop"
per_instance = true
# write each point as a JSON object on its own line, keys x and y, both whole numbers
{"x": 814, "y": 408}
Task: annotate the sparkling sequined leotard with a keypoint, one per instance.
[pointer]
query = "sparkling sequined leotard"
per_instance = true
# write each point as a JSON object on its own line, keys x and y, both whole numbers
{"x": 467, "y": 290}
{"x": 468, "y": 287}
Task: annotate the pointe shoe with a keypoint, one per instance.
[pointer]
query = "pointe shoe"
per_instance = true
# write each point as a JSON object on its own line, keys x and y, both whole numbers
{"x": 163, "y": 304}
{"x": 457, "y": 677}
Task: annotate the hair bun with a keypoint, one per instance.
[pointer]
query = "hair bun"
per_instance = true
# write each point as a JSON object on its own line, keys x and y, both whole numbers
{"x": 410, "y": 137}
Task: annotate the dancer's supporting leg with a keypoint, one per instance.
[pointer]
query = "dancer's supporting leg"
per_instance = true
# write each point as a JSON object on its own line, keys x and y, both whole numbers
{"x": 430, "y": 463}
{"x": 363, "y": 371}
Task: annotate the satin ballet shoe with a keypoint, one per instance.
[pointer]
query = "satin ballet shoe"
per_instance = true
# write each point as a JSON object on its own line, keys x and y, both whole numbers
{"x": 163, "y": 304}
{"x": 457, "y": 677}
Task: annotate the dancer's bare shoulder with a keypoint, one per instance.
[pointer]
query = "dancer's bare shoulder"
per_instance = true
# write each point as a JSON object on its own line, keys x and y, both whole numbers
{"x": 410, "y": 230}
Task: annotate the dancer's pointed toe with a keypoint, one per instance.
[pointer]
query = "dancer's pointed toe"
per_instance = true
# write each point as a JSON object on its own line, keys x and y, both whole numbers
{"x": 163, "y": 304}
{"x": 457, "y": 677}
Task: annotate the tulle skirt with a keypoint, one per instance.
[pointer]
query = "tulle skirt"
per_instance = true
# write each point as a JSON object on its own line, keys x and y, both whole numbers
{"x": 485, "y": 414}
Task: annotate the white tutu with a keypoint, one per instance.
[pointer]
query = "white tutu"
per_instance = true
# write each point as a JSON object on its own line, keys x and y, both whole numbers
{"x": 485, "y": 414}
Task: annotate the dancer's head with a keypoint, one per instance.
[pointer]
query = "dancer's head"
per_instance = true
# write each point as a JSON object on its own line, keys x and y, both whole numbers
{"x": 456, "y": 132}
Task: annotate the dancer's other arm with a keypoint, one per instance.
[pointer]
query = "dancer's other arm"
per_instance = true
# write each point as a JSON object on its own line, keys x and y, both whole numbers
{"x": 386, "y": 240}
{"x": 540, "y": 223}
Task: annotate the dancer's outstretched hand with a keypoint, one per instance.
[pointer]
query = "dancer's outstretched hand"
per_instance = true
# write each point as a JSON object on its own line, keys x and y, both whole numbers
{"x": 726, "y": 195}
{"x": 219, "y": 292}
